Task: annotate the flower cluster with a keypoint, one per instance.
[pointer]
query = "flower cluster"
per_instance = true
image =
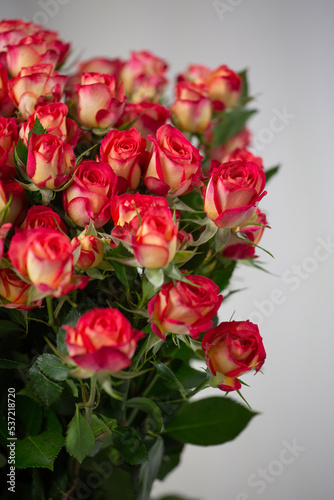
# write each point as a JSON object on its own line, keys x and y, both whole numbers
{"x": 129, "y": 211}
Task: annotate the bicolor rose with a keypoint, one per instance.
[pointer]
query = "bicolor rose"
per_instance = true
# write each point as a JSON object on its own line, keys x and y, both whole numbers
{"x": 53, "y": 118}
{"x": 175, "y": 164}
{"x": 233, "y": 192}
{"x": 11, "y": 190}
{"x": 8, "y": 141}
{"x": 192, "y": 109}
{"x": 231, "y": 349}
{"x": 50, "y": 161}
{"x": 124, "y": 151}
{"x": 7, "y": 106}
{"x": 35, "y": 85}
{"x": 244, "y": 155}
{"x": 4, "y": 229}
{"x": 184, "y": 308}
{"x": 98, "y": 101}
{"x": 45, "y": 257}
{"x": 195, "y": 73}
{"x": 220, "y": 153}
{"x": 102, "y": 341}
{"x": 225, "y": 86}
{"x": 90, "y": 195}
{"x": 236, "y": 248}
{"x": 146, "y": 117}
{"x": 126, "y": 207}
{"x": 91, "y": 251}
{"x": 40, "y": 216}
{"x": 12, "y": 288}
{"x": 140, "y": 66}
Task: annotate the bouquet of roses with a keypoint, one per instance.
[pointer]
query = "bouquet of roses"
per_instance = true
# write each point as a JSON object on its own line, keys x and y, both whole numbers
{"x": 122, "y": 221}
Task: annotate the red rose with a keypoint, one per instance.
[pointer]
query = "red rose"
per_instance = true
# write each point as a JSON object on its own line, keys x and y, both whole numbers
{"x": 40, "y": 216}
{"x": 224, "y": 86}
{"x": 233, "y": 192}
{"x": 8, "y": 141}
{"x": 102, "y": 341}
{"x": 231, "y": 349}
{"x": 183, "y": 308}
{"x": 192, "y": 109}
{"x": 128, "y": 206}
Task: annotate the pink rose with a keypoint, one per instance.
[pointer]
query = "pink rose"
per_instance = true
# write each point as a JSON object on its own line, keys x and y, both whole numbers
{"x": 124, "y": 151}
{"x": 192, "y": 109}
{"x": 90, "y": 194}
{"x": 99, "y": 103}
{"x": 35, "y": 85}
{"x": 91, "y": 251}
{"x": 53, "y": 118}
{"x": 143, "y": 66}
{"x": 244, "y": 155}
{"x": 7, "y": 106}
{"x": 185, "y": 309}
{"x": 195, "y": 73}
{"x": 146, "y": 117}
{"x": 10, "y": 189}
{"x": 237, "y": 249}
{"x": 50, "y": 161}
{"x": 12, "y": 288}
{"x": 231, "y": 349}
{"x": 40, "y": 216}
{"x": 128, "y": 206}
{"x": 224, "y": 86}
{"x": 102, "y": 341}
{"x": 45, "y": 257}
{"x": 175, "y": 164}
{"x": 8, "y": 141}
{"x": 233, "y": 192}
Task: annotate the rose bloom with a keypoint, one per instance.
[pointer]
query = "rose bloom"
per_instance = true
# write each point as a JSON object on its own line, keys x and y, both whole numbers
{"x": 98, "y": 102}
{"x": 50, "y": 161}
{"x": 143, "y": 64}
{"x": 233, "y": 192}
{"x": 224, "y": 85}
{"x": 147, "y": 117}
{"x": 12, "y": 31}
{"x": 33, "y": 85}
{"x": 90, "y": 195}
{"x": 183, "y": 308}
{"x": 10, "y": 189}
{"x": 244, "y": 155}
{"x": 220, "y": 153}
{"x": 195, "y": 73}
{"x": 152, "y": 237}
{"x": 192, "y": 109}
{"x": 8, "y": 141}
{"x": 231, "y": 349}
{"x": 45, "y": 257}
{"x": 4, "y": 229}
{"x": 128, "y": 206}
{"x": 175, "y": 164}
{"x": 124, "y": 151}
{"x": 91, "y": 251}
{"x": 53, "y": 118}
{"x": 40, "y": 216}
{"x": 102, "y": 341}
{"x": 7, "y": 106}
{"x": 237, "y": 249}
{"x": 12, "y": 288}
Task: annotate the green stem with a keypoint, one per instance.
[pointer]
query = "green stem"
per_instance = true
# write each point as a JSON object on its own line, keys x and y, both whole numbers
{"x": 91, "y": 400}
{"x": 145, "y": 393}
{"x": 52, "y": 321}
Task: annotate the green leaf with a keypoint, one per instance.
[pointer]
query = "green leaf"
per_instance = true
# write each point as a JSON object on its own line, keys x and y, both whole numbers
{"x": 37, "y": 486}
{"x": 8, "y": 364}
{"x": 30, "y": 413}
{"x": 149, "y": 470}
{"x": 125, "y": 274}
{"x": 223, "y": 275}
{"x": 21, "y": 152}
{"x": 166, "y": 373}
{"x": 41, "y": 450}
{"x": 47, "y": 390}
{"x": 232, "y": 122}
{"x": 73, "y": 387}
{"x": 129, "y": 444}
{"x": 99, "y": 426}
{"x": 208, "y": 233}
{"x": 79, "y": 438}
{"x": 209, "y": 421}
{"x": 155, "y": 277}
{"x": 37, "y": 129}
{"x": 148, "y": 406}
{"x": 222, "y": 237}
{"x": 8, "y": 327}
{"x": 244, "y": 94}
{"x": 52, "y": 366}
{"x": 271, "y": 172}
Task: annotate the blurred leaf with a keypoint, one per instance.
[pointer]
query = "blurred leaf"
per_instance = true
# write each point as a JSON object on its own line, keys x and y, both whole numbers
{"x": 8, "y": 364}
{"x": 128, "y": 443}
{"x": 223, "y": 275}
{"x": 271, "y": 172}
{"x": 148, "y": 472}
{"x": 166, "y": 373}
{"x": 52, "y": 366}
{"x": 79, "y": 438}
{"x": 209, "y": 421}
{"x": 30, "y": 413}
{"x": 232, "y": 122}
{"x": 150, "y": 407}
{"x": 244, "y": 76}
{"x": 47, "y": 390}
{"x": 8, "y": 327}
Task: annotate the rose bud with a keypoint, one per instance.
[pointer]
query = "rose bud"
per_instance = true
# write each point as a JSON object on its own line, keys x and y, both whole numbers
{"x": 90, "y": 195}
{"x": 183, "y": 308}
{"x": 154, "y": 244}
{"x": 236, "y": 248}
{"x": 99, "y": 103}
{"x": 244, "y": 155}
{"x": 91, "y": 251}
{"x": 225, "y": 86}
{"x": 175, "y": 164}
{"x": 124, "y": 152}
{"x": 128, "y": 206}
{"x": 8, "y": 141}
{"x": 192, "y": 109}
{"x": 102, "y": 341}
{"x": 195, "y": 73}
{"x": 7, "y": 106}
{"x": 40, "y": 216}
{"x": 147, "y": 117}
{"x": 231, "y": 349}
{"x": 11, "y": 190}
{"x": 233, "y": 192}
{"x": 12, "y": 288}
{"x": 53, "y": 118}
{"x": 33, "y": 85}
{"x": 141, "y": 64}
{"x": 45, "y": 257}
{"x": 50, "y": 161}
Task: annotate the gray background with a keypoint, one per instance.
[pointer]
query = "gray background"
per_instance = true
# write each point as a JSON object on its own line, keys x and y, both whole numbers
{"x": 288, "y": 48}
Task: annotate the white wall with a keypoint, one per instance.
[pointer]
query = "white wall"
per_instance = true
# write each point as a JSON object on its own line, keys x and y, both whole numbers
{"x": 288, "y": 48}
